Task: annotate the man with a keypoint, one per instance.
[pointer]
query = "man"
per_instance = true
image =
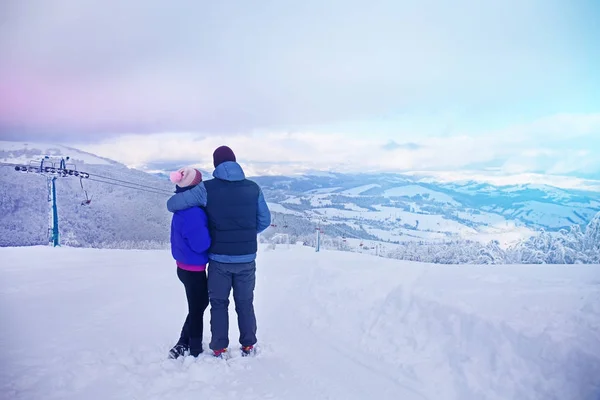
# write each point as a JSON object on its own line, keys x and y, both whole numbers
{"x": 237, "y": 212}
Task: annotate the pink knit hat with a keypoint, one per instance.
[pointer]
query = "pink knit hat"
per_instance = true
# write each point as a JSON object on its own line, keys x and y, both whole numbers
{"x": 186, "y": 176}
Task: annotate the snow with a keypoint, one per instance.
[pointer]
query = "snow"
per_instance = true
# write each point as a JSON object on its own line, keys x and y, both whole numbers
{"x": 414, "y": 190}
{"x": 588, "y": 204}
{"x": 278, "y": 208}
{"x": 404, "y": 235}
{"x": 506, "y": 235}
{"x": 353, "y": 225}
{"x": 383, "y": 234}
{"x": 395, "y": 219}
{"x": 495, "y": 227}
{"x": 354, "y": 207}
{"x": 483, "y": 218}
{"x": 429, "y": 222}
{"x": 323, "y": 190}
{"x": 552, "y": 192}
{"x": 319, "y": 200}
{"x": 292, "y": 200}
{"x": 97, "y": 324}
{"x": 547, "y": 214}
{"x": 359, "y": 190}
{"x": 338, "y": 213}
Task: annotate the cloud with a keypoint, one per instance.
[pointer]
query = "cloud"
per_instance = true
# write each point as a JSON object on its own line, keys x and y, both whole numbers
{"x": 87, "y": 69}
{"x": 515, "y": 149}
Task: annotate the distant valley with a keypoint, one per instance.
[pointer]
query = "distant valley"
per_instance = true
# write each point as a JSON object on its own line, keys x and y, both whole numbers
{"x": 402, "y": 208}
{"x": 354, "y": 208}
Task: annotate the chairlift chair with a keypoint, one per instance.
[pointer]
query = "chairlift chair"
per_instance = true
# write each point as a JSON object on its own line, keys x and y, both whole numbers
{"x": 87, "y": 200}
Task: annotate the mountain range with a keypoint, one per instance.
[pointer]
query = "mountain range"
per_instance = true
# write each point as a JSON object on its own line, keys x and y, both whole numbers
{"x": 404, "y": 207}
{"x": 128, "y": 205}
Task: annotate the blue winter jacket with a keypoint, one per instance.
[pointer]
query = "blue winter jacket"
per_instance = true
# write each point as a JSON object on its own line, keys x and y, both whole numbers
{"x": 197, "y": 196}
{"x": 190, "y": 239}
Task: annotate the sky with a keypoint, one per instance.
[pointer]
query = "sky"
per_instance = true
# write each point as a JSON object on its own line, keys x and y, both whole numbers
{"x": 510, "y": 86}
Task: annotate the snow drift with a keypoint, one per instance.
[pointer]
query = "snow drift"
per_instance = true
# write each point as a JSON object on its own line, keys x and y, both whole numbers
{"x": 97, "y": 324}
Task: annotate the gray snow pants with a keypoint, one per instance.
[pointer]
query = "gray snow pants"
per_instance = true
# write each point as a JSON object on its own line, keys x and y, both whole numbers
{"x": 221, "y": 279}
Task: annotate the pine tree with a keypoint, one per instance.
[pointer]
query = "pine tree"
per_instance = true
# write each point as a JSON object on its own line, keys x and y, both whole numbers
{"x": 591, "y": 240}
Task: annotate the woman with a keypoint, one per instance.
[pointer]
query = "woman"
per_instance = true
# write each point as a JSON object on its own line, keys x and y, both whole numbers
{"x": 190, "y": 241}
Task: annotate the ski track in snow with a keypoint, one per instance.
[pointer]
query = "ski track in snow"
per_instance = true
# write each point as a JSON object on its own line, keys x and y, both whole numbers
{"x": 97, "y": 324}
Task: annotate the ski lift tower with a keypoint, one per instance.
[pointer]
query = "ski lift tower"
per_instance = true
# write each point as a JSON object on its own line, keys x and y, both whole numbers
{"x": 52, "y": 167}
{"x": 54, "y": 233}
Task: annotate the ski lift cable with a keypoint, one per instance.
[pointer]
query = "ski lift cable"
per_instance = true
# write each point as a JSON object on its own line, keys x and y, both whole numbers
{"x": 106, "y": 178}
{"x": 3, "y": 164}
{"x": 29, "y": 163}
{"x": 155, "y": 191}
{"x": 150, "y": 189}
{"x": 126, "y": 182}
{"x": 344, "y": 233}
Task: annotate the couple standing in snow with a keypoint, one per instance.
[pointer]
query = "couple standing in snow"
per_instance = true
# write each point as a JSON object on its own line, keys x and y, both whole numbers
{"x": 216, "y": 223}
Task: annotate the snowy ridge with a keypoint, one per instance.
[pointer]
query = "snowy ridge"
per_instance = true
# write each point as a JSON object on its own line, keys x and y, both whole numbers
{"x": 415, "y": 331}
{"x": 23, "y": 152}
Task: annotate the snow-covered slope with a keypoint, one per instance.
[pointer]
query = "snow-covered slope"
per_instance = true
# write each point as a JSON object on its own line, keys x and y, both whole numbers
{"x": 127, "y": 209}
{"x": 97, "y": 324}
{"x": 420, "y": 191}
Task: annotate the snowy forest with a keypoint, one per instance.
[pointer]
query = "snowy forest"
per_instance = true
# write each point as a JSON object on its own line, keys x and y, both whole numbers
{"x": 572, "y": 246}
{"x": 117, "y": 217}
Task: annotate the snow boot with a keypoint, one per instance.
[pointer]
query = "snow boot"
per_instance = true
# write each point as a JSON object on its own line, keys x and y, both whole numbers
{"x": 178, "y": 350}
{"x": 222, "y": 353}
{"x": 248, "y": 351}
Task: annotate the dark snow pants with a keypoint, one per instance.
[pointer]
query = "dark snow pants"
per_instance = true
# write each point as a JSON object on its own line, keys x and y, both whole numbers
{"x": 196, "y": 291}
{"x": 221, "y": 279}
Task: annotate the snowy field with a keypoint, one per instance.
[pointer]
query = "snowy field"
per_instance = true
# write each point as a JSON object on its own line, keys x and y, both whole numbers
{"x": 97, "y": 324}
{"x": 416, "y": 190}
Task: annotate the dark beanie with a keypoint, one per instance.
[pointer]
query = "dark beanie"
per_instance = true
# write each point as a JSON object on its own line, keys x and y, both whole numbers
{"x": 222, "y": 154}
